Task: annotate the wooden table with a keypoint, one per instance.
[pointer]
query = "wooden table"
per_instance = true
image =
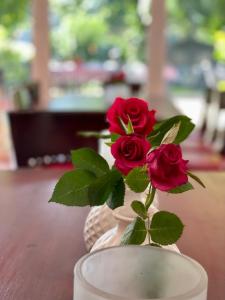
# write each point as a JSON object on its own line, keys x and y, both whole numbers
{"x": 41, "y": 242}
{"x": 203, "y": 213}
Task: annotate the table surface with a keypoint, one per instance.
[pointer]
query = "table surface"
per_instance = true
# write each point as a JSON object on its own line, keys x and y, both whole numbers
{"x": 40, "y": 242}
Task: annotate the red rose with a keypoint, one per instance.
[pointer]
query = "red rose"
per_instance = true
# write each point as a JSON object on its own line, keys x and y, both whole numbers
{"x": 129, "y": 152}
{"x": 142, "y": 119}
{"x": 167, "y": 169}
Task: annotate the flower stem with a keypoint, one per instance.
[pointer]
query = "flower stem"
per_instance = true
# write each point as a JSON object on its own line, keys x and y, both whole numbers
{"x": 148, "y": 202}
{"x": 150, "y": 197}
{"x": 148, "y": 231}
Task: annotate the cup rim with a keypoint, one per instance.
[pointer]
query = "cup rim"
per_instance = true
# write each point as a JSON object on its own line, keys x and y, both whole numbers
{"x": 195, "y": 291}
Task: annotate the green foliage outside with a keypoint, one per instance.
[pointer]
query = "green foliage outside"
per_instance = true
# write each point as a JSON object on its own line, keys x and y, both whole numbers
{"x": 88, "y": 29}
{"x": 219, "y": 52}
{"x": 13, "y": 15}
{"x": 11, "y": 61}
{"x": 197, "y": 19}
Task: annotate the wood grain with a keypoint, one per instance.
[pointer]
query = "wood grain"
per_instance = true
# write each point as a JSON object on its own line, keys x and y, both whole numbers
{"x": 203, "y": 213}
{"x": 41, "y": 242}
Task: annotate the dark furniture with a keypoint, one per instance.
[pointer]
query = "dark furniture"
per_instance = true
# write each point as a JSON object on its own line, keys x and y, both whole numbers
{"x": 214, "y": 104}
{"x": 205, "y": 149}
{"x": 39, "y": 134}
{"x": 40, "y": 242}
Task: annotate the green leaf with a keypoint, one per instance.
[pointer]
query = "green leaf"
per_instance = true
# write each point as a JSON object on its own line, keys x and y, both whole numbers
{"x": 109, "y": 144}
{"x": 100, "y": 190}
{"x": 118, "y": 193}
{"x": 72, "y": 188}
{"x": 88, "y": 159}
{"x": 166, "y": 228}
{"x": 130, "y": 128}
{"x": 193, "y": 176}
{"x": 150, "y": 198}
{"x": 123, "y": 125}
{"x": 186, "y": 127}
{"x": 160, "y": 129}
{"x": 171, "y": 135}
{"x": 114, "y": 137}
{"x": 182, "y": 188}
{"x": 135, "y": 233}
{"x": 157, "y": 125}
{"x": 95, "y": 134}
{"x": 139, "y": 208}
{"x": 138, "y": 179}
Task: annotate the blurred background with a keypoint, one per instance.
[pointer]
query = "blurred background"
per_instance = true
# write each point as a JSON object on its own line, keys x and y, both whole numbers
{"x": 62, "y": 63}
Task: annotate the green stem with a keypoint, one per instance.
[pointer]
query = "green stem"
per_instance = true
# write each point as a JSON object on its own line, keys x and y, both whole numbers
{"x": 150, "y": 197}
{"x": 95, "y": 134}
{"x": 148, "y": 202}
{"x": 148, "y": 231}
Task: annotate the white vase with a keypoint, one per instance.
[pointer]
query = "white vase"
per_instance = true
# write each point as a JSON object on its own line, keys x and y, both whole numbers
{"x": 100, "y": 218}
{"x": 98, "y": 221}
{"x": 123, "y": 216}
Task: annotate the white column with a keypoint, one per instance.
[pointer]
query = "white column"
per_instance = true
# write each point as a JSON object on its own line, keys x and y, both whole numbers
{"x": 40, "y": 72}
{"x": 157, "y": 49}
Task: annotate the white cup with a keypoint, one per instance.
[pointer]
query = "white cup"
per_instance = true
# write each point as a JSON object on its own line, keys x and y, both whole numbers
{"x": 137, "y": 273}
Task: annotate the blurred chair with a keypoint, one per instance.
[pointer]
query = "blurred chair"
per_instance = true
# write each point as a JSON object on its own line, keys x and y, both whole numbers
{"x": 213, "y": 117}
{"x": 207, "y": 148}
{"x": 46, "y": 138}
{"x": 214, "y": 121}
{"x": 26, "y": 97}
{"x": 219, "y": 140}
{"x": 7, "y": 155}
{"x": 210, "y": 114}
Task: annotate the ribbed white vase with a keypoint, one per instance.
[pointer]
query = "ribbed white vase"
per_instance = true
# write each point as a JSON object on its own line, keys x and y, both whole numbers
{"x": 100, "y": 218}
{"x": 124, "y": 216}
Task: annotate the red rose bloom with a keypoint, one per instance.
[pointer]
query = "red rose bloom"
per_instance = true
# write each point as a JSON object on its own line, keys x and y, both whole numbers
{"x": 167, "y": 169}
{"x": 137, "y": 110}
{"x": 130, "y": 152}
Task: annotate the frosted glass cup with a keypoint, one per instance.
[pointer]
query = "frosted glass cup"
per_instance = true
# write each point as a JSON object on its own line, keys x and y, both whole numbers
{"x": 139, "y": 272}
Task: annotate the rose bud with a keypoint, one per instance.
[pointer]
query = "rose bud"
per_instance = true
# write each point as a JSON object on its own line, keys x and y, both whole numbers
{"x": 130, "y": 152}
{"x": 137, "y": 110}
{"x": 166, "y": 167}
